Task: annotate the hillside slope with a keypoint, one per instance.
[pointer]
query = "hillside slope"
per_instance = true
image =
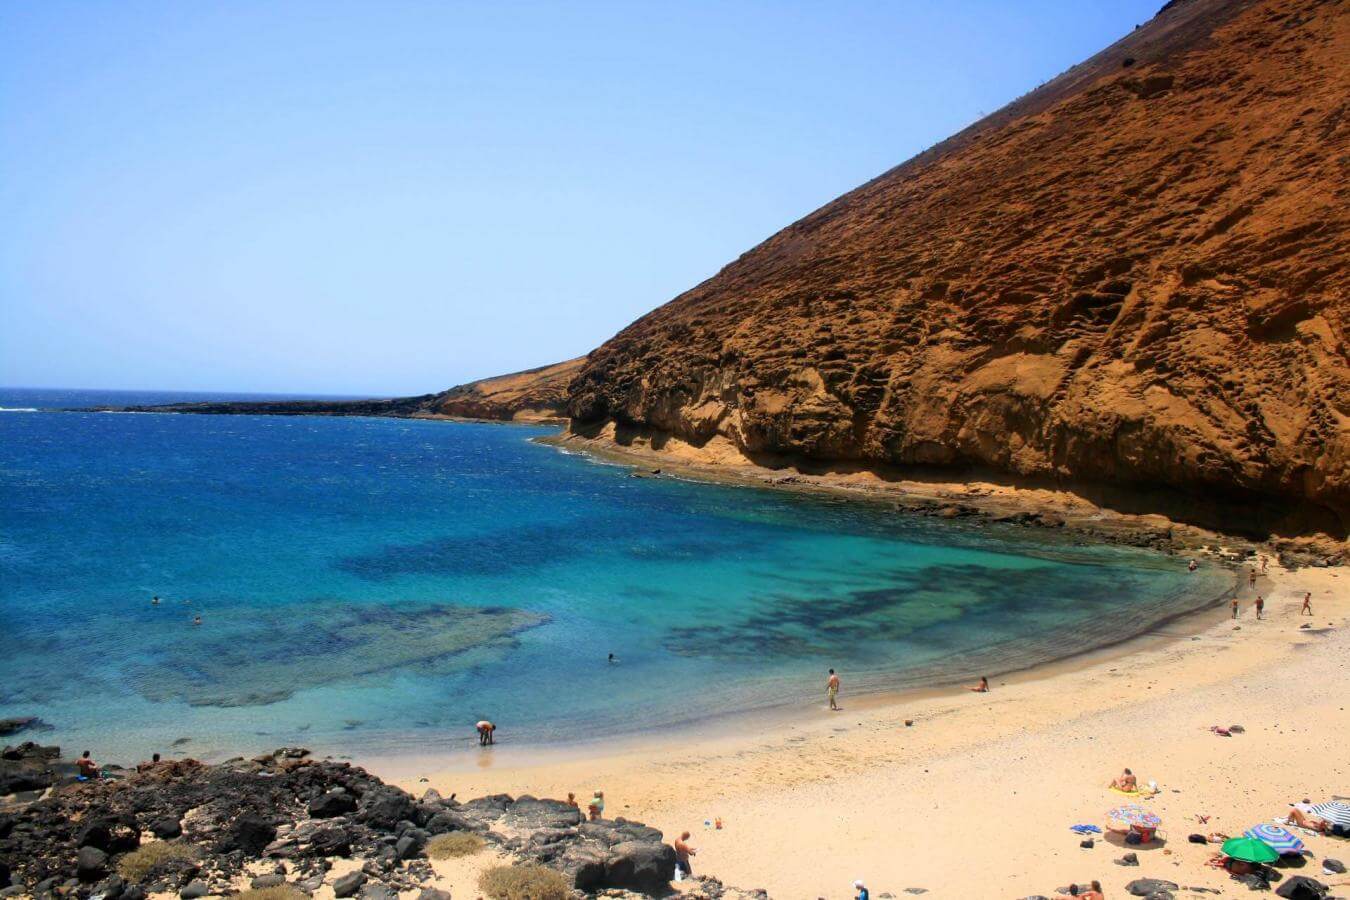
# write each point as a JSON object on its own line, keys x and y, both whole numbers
{"x": 1133, "y": 276}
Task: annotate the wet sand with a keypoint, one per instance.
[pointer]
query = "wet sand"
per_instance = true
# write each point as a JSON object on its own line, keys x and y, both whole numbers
{"x": 975, "y": 798}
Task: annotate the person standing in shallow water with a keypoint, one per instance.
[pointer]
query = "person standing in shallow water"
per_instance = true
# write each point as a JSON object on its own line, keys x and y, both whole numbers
{"x": 485, "y": 731}
{"x": 832, "y": 690}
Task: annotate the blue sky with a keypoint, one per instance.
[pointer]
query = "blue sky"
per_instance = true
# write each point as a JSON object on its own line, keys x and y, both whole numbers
{"x": 389, "y": 198}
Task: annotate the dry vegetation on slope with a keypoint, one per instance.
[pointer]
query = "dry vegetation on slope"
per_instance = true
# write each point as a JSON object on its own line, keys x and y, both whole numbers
{"x": 1135, "y": 275}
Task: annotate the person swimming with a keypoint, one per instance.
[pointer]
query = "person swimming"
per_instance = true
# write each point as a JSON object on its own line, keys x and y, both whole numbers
{"x": 154, "y": 601}
{"x": 196, "y": 620}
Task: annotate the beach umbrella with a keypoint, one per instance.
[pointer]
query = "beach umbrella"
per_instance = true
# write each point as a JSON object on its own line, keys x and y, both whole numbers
{"x": 1250, "y": 850}
{"x": 1336, "y": 812}
{"x": 1279, "y": 840}
{"x": 1133, "y": 815}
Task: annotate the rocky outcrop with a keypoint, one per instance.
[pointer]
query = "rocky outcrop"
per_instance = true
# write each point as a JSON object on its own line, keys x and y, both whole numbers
{"x": 1135, "y": 276}
{"x": 299, "y": 814}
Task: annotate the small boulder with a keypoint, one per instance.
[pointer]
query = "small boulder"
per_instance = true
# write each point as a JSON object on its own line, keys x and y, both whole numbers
{"x": 1147, "y": 887}
{"x": 349, "y": 884}
{"x": 250, "y": 833}
{"x": 383, "y": 808}
{"x": 331, "y": 842}
{"x": 331, "y": 805}
{"x": 433, "y": 894}
{"x": 194, "y": 889}
{"x": 1129, "y": 859}
{"x": 1334, "y": 866}
{"x": 378, "y": 892}
{"x": 91, "y": 864}
{"x": 641, "y": 866}
{"x": 166, "y": 828}
{"x": 267, "y": 881}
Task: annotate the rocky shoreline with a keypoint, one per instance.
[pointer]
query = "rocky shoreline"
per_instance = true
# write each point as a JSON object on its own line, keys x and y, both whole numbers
{"x": 281, "y": 821}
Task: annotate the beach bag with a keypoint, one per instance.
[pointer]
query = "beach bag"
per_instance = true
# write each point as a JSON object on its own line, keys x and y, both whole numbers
{"x": 1133, "y": 839}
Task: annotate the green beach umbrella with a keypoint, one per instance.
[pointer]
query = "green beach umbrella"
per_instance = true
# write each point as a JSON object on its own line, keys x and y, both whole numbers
{"x": 1249, "y": 850}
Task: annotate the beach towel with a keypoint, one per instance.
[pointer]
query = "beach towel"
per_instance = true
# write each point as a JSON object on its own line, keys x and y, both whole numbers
{"x": 1085, "y": 829}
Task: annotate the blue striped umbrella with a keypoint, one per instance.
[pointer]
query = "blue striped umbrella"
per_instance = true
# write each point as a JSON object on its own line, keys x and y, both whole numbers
{"x": 1334, "y": 811}
{"x": 1280, "y": 840}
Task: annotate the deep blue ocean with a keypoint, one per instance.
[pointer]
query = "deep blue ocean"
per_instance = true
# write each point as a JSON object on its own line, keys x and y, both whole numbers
{"x": 378, "y": 585}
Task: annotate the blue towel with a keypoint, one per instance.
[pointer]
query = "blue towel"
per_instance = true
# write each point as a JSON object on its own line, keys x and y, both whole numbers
{"x": 1085, "y": 829}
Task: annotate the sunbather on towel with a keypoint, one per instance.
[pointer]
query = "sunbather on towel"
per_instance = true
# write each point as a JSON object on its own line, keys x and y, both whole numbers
{"x": 1126, "y": 782}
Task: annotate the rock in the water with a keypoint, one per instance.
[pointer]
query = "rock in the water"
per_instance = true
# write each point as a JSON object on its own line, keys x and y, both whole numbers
{"x": 331, "y": 805}
{"x": 349, "y": 884}
{"x": 194, "y": 889}
{"x": 640, "y": 866}
{"x": 17, "y": 724}
{"x": 91, "y": 864}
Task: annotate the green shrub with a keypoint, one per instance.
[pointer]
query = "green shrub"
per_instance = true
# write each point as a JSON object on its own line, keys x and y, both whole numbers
{"x": 140, "y": 862}
{"x": 523, "y": 883}
{"x": 456, "y": 843}
{"x": 280, "y": 892}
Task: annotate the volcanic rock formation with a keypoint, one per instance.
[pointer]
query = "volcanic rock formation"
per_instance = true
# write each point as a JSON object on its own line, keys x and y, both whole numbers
{"x": 1133, "y": 276}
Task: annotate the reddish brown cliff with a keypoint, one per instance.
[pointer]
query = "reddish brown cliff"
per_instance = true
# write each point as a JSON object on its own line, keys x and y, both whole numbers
{"x": 1135, "y": 275}
{"x": 530, "y": 396}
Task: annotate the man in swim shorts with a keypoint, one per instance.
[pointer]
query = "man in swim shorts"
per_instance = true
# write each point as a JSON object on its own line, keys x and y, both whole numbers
{"x": 832, "y": 689}
{"x": 485, "y": 730}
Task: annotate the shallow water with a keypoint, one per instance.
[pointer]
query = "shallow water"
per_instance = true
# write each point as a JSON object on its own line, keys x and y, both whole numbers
{"x": 376, "y": 586}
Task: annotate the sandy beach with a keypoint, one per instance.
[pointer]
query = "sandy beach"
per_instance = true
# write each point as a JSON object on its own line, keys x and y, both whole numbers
{"x": 975, "y": 799}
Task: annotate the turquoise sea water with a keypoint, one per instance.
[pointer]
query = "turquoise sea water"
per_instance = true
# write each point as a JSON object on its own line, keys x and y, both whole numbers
{"x": 372, "y": 585}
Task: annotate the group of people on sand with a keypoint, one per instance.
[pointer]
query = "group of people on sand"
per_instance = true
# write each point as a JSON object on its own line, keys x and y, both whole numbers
{"x": 595, "y": 807}
{"x": 832, "y": 689}
{"x": 1259, "y": 604}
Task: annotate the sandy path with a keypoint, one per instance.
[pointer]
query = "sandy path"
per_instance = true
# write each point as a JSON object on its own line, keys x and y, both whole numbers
{"x": 976, "y": 798}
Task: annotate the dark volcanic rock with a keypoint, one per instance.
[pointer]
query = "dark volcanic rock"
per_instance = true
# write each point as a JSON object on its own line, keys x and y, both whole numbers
{"x": 166, "y": 827}
{"x": 433, "y": 894}
{"x": 332, "y": 804}
{"x": 640, "y": 866}
{"x": 349, "y": 884}
{"x": 194, "y": 890}
{"x": 385, "y": 807}
{"x": 331, "y": 842}
{"x": 250, "y": 833}
{"x": 91, "y": 864}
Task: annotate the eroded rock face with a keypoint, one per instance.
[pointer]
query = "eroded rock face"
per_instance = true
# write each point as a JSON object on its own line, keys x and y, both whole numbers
{"x": 1135, "y": 275}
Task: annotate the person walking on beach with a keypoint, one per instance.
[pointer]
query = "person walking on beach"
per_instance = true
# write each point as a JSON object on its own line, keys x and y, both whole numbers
{"x": 1263, "y": 565}
{"x": 1251, "y": 578}
{"x": 1260, "y": 605}
{"x": 1235, "y": 607}
{"x": 832, "y": 690}
{"x": 485, "y": 730}
{"x": 682, "y": 853}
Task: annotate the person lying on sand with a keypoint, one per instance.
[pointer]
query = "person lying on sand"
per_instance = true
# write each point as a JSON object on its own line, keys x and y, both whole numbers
{"x": 1125, "y": 782}
{"x": 1301, "y": 814}
{"x": 982, "y": 687}
{"x": 596, "y": 808}
{"x": 86, "y": 765}
{"x": 485, "y": 731}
